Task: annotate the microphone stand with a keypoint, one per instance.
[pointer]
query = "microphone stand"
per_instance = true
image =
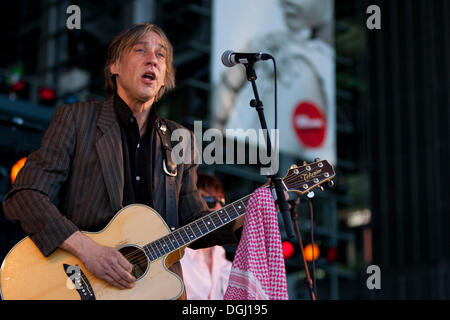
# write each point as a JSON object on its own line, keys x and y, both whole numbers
{"x": 275, "y": 179}
{"x": 294, "y": 216}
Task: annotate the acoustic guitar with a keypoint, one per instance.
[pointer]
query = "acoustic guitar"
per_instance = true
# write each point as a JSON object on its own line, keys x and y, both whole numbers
{"x": 144, "y": 238}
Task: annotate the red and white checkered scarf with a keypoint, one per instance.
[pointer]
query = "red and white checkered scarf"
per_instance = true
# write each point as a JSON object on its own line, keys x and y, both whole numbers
{"x": 258, "y": 271}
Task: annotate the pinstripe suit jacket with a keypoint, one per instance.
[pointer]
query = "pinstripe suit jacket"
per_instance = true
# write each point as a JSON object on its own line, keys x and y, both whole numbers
{"x": 74, "y": 181}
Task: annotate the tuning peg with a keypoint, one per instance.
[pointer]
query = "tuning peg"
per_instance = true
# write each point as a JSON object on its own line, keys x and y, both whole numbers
{"x": 331, "y": 183}
{"x": 316, "y": 159}
{"x": 305, "y": 163}
{"x": 294, "y": 166}
{"x": 320, "y": 188}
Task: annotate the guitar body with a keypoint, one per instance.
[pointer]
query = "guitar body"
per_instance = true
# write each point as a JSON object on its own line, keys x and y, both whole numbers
{"x": 27, "y": 275}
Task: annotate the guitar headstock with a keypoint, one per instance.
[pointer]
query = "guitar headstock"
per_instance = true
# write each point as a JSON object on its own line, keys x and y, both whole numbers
{"x": 309, "y": 176}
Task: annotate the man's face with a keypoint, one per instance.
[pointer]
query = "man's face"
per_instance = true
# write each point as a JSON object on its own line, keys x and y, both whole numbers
{"x": 141, "y": 70}
{"x": 299, "y": 14}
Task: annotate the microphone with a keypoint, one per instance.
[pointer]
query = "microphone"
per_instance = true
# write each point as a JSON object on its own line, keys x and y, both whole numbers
{"x": 231, "y": 58}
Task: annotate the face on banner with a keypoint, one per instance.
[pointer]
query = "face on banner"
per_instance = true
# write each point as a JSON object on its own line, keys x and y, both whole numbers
{"x": 301, "y": 14}
{"x": 298, "y": 34}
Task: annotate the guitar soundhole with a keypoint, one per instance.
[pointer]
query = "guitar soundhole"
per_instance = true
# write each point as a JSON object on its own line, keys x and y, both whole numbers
{"x": 137, "y": 258}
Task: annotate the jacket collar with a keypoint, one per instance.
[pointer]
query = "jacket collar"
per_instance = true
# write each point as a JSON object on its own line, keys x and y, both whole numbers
{"x": 107, "y": 117}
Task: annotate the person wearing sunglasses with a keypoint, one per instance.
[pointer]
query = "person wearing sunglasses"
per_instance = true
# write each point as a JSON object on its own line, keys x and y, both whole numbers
{"x": 206, "y": 271}
{"x": 212, "y": 202}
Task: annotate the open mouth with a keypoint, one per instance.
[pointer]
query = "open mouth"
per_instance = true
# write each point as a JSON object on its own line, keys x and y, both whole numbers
{"x": 150, "y": 76}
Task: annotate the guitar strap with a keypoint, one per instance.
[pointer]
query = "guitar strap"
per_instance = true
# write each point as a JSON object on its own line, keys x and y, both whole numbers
{"x": 170, "y": 171}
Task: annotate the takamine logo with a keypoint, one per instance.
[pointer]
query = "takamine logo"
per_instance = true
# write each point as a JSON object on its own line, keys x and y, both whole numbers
{"x": 309, "y": 124}
{"x": 310, "y": 175}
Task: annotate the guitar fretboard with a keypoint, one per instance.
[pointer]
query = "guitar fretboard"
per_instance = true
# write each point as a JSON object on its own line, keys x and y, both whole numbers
{"x": 299, "y": 179}
{"x": 196, "y": 229}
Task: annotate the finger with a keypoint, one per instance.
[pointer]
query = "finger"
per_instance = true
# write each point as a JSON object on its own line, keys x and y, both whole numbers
{"x": 111, "y": 271}
{"x": 124, "y": 263}
{"x": 124, "y": 267}
{"x": 122, "y": 284}
{"x": 122, "y": 273}
{"x": 112, "y": 282}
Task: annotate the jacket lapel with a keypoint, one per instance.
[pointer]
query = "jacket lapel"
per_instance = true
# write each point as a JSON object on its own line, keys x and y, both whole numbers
{"x": 109, "y": 151}
{"x": 158, "y": 183}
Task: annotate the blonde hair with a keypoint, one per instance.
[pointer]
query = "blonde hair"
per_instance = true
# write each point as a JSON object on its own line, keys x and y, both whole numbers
{"x": 127, "y": 39}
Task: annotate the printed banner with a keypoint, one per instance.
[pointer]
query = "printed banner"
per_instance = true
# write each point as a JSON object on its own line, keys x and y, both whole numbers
{"x": 299, "y": 35}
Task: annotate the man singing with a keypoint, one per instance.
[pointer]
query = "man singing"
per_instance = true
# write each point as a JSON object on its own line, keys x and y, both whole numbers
{"x": 97, "y": 157}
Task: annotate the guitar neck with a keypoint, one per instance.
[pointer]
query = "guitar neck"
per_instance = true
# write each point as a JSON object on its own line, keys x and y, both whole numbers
{"x": 298, "y": 179}
{"x": 196, "y": 229}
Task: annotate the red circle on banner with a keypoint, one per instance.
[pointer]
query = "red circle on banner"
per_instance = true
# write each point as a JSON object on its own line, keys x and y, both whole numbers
{"x": 310, "y": 124}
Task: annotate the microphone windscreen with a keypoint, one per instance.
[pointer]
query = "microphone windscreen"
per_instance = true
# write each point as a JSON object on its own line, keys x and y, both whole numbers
{"x": 226, "y": 58}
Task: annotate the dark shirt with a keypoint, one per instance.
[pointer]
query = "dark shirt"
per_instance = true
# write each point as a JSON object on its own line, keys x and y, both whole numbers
{"x": 138, "y": 154}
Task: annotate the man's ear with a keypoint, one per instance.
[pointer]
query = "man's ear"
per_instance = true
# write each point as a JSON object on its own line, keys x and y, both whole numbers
{"x": 114, "y": 68}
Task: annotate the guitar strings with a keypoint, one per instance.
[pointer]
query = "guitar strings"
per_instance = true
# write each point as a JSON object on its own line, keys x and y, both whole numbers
{"x": 145, "y": 259}
{"x": 131, "y": 257}
{"x": 208, "y": 216}
{"x": 160, "y": 248}
{"x": 134, "y": 254}
{"x": 137, "y": 253}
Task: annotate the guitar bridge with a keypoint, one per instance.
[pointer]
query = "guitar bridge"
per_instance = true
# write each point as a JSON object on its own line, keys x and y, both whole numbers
{"x": 80, "y": 281}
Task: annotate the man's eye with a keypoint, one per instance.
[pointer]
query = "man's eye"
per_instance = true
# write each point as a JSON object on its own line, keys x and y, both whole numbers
{"x": 139, "y": 50}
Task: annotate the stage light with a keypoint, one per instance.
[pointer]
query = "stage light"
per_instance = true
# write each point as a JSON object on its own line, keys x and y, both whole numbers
{"x": 288, "y": 249}
{"x": 16, "y": 168}
{"x": 308, "y": 252}
{"x": 358, "y": 218}
{"x": 332, "y": 254}
{"x": 19, "y": 85}
{"x": 47, "y": 94}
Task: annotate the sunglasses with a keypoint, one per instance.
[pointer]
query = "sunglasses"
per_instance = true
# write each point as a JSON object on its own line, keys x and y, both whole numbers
{"x": 212, "y": 201}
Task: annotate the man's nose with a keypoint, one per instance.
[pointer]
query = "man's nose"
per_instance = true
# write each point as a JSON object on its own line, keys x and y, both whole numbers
{"x": 151, "y": 59}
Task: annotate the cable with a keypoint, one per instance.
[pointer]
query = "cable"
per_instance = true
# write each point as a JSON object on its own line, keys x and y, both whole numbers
{"x": 275, "y": 90}
{"x": 312, "y": 242}
{"x": 308, "y": 281}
